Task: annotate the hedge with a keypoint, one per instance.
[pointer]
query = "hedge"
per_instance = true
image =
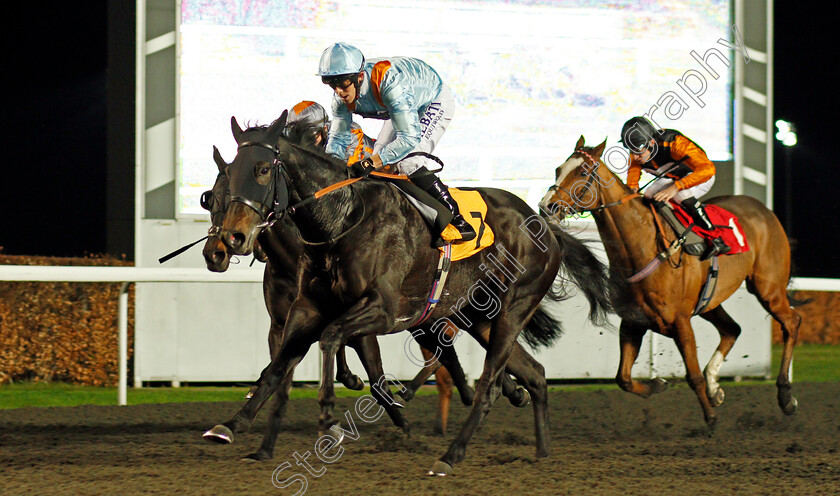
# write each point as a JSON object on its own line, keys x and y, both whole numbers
{"x": 61, "y": 331}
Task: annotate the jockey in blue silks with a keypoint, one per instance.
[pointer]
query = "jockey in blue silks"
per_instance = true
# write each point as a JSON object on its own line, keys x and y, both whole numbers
{"x": 415, "y": 104}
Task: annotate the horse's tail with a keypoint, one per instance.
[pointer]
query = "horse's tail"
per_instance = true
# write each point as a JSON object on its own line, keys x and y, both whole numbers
{"x": 541, "y": 330}
{"x": 791, "y": 293}
{"x": 591, "y": 276}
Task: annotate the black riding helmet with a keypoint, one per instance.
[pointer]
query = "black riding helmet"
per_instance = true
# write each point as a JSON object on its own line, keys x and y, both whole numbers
{"x": 636, "y": 134}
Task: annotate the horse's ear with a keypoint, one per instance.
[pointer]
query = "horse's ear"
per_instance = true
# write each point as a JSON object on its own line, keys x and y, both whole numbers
{"x": 217, "y": 157}
{"x": 598, "y": 150}
{"x": 275, "y": 130}
{"x": 235, "y": 129}
{"x": 580, "y": 143}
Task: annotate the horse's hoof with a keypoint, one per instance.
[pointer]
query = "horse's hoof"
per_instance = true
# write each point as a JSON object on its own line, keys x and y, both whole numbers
{"x": 790, "y": 408}
{"x": 250, "y": 393}
{"x": 710, "y": 423}
{"x": 658, "y": 385}
{"x": 406, "y": 395}
{"x": 219, "y": 435}
{"x": 440, "y": 469}
{"x": 353, "y": 382}
{"x": 467, "y": 396}
{"x": 259, "y": 456}
{"x": 716, "y": 398}
{"x": 338, "y": 434}
{"x": 520, "y": 398}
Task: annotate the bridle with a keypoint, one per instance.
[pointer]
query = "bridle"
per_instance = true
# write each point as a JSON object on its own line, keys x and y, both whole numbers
{"x": 592, "y": 173}
{"x": 269, "y": 214}
{"x": 268, "y": 208}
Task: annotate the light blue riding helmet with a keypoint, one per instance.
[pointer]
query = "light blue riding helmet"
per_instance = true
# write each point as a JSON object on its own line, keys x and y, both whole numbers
{"x": 339, "y": 59}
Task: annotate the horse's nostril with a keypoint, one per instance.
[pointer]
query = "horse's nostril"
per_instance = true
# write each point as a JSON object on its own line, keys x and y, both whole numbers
{"x": 237, "y": 240}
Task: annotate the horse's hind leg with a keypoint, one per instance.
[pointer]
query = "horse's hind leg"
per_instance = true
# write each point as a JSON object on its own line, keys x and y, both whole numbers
{"x": 630, "y": 340}
{"x": 531, "y": 374}
{"x": 684, "y": 337}
{"x": 443, "y": 381}
{"x": 773, "y": 297}
{"x": 729, "y": 331}
{"x": 505, "y": 329}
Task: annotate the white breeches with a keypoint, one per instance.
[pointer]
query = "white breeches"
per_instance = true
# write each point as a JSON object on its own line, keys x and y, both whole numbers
{"x": 434, "y": 119}
{"x": 695, "y": 191}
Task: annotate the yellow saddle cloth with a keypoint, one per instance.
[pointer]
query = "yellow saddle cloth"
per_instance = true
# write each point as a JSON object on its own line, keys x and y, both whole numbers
{"x": 474, "y": 210}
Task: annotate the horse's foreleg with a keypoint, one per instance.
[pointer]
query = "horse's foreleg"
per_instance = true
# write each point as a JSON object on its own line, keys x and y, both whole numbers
{"x": 277, "y": 411}
{"x": 684, "y": 337}
{"x": 368, "y": 349}
{"x": 729, "y": 331}
{"x": 291, "y": 346}
{"x": 448, "y": 358}
{"x": 432, "y": 365}
{"x": 366, "y": 316}
{"x": 344, "y": 375}
{"x": 630, "y": 340}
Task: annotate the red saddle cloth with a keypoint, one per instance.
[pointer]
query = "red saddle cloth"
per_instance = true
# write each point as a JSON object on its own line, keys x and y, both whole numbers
{"x": 726, "y": 225}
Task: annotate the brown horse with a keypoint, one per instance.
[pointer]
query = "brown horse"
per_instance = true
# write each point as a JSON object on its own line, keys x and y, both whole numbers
{"x": 668, "y": 296}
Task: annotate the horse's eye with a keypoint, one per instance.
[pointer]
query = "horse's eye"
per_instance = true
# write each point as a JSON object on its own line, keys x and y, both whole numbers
{"x": 206, "y": 199}
{"x": 584, "y": 173}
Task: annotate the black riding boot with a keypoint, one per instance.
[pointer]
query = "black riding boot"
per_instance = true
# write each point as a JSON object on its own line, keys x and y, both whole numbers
{"x": 695, "y": 209}
{"x": 440, "y": 192}
{"x": 698, "y": 213}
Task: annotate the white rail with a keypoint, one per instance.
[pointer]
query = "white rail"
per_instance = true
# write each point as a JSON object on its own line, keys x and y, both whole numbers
{"x": 128, "y": 275}
{"x": 125, "y": 275}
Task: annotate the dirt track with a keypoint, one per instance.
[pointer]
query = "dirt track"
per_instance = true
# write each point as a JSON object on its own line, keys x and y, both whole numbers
{"x": 605, "y": 442}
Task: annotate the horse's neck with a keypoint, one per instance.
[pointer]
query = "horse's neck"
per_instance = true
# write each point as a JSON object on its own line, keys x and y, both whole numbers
{"x": 627, "y": 230}
{"x": 282, "y": 245}
{"x": 329, "y": 215}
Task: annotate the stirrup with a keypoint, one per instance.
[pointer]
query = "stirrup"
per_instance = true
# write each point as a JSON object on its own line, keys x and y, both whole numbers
{"x": 718, "y": 247}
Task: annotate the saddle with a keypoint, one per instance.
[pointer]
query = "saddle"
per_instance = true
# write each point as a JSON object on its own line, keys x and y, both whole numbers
{"x": 437, "y": 217}
{"x": 726, "y": 225}
{"x": 727, "y": 228}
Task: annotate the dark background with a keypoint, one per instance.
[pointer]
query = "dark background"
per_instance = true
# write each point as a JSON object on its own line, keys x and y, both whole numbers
{"x": 70, "y": 113}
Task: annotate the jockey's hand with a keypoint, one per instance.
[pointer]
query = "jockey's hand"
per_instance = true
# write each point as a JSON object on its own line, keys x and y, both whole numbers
{"x": 372, "y": 162}
{"x": 667, "y": 193}
{"x": 634, "y": 190}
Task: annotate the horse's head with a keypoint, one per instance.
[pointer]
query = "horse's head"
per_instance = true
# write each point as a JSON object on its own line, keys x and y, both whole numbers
{"x": 258, "y": 185}
{"x": 578, "y": 183}
{"x": 216, "y": 201}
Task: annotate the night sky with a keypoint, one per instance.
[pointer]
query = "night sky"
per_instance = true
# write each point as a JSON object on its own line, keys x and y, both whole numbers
{"x": 55, "y": 129}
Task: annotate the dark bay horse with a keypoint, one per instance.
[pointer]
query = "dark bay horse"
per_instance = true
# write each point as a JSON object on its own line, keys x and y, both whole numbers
{"x": 277, "y": 295}
{"x": 368, "y": 266}
{"x": 667, "y": 297}
{"x": 280, "y": 288}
